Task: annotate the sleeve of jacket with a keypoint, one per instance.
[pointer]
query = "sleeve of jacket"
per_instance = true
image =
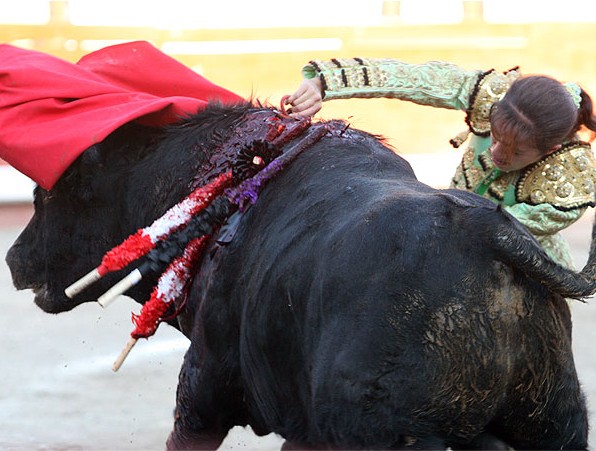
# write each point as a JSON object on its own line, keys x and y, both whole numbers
{"x": 435, "y": 83}
{"x": 544, "y": 219}
{"x": 544, "y": 222}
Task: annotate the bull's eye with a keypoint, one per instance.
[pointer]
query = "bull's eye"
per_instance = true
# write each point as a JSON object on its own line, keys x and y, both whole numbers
{"x": 42, "y": 197}
{"x": 47, "y": 197}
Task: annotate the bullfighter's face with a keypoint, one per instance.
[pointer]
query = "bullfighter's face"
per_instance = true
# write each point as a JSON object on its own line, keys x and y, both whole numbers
{"x": 514, "y": 154}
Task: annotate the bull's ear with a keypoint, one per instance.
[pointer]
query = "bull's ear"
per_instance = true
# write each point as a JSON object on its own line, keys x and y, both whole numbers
{"x": 77, "y": 182}
{"x": 90, "y": 160}
{"x": 90, "y": 166}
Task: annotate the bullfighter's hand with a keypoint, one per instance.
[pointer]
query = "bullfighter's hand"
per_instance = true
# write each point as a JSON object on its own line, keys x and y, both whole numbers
{"x": 308, "y": 98}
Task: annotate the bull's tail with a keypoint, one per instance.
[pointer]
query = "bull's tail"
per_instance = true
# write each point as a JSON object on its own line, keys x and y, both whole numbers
{"x": 517, "y": 247}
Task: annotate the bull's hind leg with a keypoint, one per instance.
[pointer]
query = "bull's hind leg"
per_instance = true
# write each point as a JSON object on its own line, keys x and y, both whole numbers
{"x": 208, "y": 404}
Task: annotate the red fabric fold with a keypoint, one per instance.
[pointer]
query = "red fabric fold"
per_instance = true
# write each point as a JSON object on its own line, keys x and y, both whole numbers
{"x": 52, "y": 110}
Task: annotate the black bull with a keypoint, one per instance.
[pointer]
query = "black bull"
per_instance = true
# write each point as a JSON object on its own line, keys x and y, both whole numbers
{"x": 355, "y": 307}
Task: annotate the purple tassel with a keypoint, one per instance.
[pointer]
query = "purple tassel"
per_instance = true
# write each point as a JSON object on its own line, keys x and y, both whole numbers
{"x": 248, "y": 190}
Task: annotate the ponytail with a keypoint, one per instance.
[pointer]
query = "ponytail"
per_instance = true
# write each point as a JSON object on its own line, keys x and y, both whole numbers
{"x": 585, "y": 115}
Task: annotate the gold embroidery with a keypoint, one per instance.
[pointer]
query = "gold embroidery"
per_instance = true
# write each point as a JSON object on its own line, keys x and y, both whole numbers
{"x": 469, "y": 175}
{"x": 564, "y": 179}
{"x": 473, "y": 175}
{"x": 501, "y": 185}
{"x": 491, "y": 88}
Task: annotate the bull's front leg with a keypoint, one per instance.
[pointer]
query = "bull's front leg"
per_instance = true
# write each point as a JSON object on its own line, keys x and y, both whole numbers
{"x": 208, "y": 403}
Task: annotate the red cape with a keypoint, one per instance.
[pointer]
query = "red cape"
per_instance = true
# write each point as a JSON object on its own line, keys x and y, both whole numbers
{"x": 52, "y": 110}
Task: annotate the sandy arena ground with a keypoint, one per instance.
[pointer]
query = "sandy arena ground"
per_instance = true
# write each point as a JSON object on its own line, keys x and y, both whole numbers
{"x": 58, "y": 391}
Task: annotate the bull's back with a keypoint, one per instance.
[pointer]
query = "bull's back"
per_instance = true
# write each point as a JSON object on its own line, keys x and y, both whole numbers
{"x": 351, "y": 275}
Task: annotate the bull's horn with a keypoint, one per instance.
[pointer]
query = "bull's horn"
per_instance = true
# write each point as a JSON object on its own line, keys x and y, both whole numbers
{"x": 518, "y": 248}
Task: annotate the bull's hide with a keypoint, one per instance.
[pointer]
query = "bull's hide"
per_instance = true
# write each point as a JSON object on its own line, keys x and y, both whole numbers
{"x": 355, "y": 307}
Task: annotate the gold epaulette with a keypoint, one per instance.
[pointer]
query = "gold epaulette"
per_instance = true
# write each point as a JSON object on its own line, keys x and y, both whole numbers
{"x": 564, "y": 179}
{"x": 491, "y": 88}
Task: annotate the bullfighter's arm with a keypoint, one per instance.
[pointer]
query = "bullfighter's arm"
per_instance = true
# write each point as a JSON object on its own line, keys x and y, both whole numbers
{"x": 434, "y": 83}
{"x": 544, "y": 219}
